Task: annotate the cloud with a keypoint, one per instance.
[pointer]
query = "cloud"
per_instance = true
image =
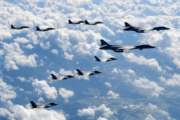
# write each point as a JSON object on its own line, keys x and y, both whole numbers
{"x": 156, "y": 112}
{"x": 76, "y": 41}
{"x": 14, "y": 57}
{"x": 6, "y": 91}
{"x": 150, "y": 117}
{"x": 65, "y": 93}
{"x": 148, "y": 87}
{"x": 174, "y": 81}
{"x": 22, "y": 113}
{"x": 108, "y": 84}
{"x": 78, "y": 2}
{"x": 112, "y": 95}
{"x": 43, "y": 88}
{"x": 102, "y": 118}
{"x": 143, "y": 61}
{"x": 89, "y": 112}
{"x": 105, "y": 112}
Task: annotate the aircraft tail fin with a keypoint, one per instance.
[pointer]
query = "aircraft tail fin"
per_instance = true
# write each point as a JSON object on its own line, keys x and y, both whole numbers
{"x": 127, "y": 24}
{"x": 97, "y": 59}
{"x": 70, "y": 22}
{"x": 12, "y": 26}
{"x": 33, "y": 104}
{"x": 53, "y": 76}
{"x": 86, "y": 22}
{"x": 104, "y": 43}
{"x": 37, "y": 28}
{"x": 79, "y": 72}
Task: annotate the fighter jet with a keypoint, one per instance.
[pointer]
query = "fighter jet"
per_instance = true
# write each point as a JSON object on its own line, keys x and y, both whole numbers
{"x": 160, "y": 28}
{"x": 94, "y": 73}
{"x": 78, "y": 22}
{"x": 34, "y": 105}
{"x": 107, "y": 60}
{"x": 50, "y": 105}
{"x": 43, "y": 30}
{"x": 64, "y": 77}
{"x": 141, "y": 47}
{"x": 95, "y": 23}
{"x": 80, "y": 73}
{"x": 106, "y": 46}
{"x": 67, "y": 77}
{"x": 19, "y": 28}
{"x": 129, "y": 27}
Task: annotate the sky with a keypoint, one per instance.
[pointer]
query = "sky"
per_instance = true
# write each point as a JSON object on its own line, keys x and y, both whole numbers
{"x": 142, "y": 85}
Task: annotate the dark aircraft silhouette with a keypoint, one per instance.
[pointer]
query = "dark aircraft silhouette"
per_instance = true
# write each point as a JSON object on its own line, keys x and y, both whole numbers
{"x": 68, "y": 77}
{"x": 95, "y": 23}
{"x": 46, "y": 29}
{"x": 115, "y": 48}
{"x": 50, "y": 105}
{"x": 34, "y": 105}
{"x": 141, "y": 47}
{"x": 54, "y": 77}
{"x": 80, "y": 73}
{"x": 160, "y": 28}
{"x": 78, "y": 22}
{"x": 107, "y": 60}
{"x": 19, "y": 28}
{"x": 94, "y": 73}
{"x": 129, "y": 27}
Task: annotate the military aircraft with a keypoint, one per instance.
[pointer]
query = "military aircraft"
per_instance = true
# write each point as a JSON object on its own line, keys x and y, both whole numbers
{"x": 43, "y": 30}
{"x": 34, "y": 105}
{"x": 95, "y": 23}
{"x": 54, "y": 77}
{"x": 115, "y": 48}
{"x": 160, "y": 28}
{"x": 107, "y": 60}
{"x": 78, "y": 22}
{"x": 141, "y": 47}
{"x": 129, "y": 27}
{"x": 19, "y": 28}
{"x": 80, "y": 73}
{"x": 118, "y": 48}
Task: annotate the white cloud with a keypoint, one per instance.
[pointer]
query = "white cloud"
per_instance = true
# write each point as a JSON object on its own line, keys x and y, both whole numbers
{"x": 78, "y": 2}
{"x": 42, "y": 88}
{"x": 5, "y": 34}
{"x": 148, "y": 87}
{"x": 14, "y": 57}
{"x": 112, "y": 95}
{"x": 18, "y": 112}
{"x": 174, "y": 81}
{"x": 105, "y": 112}
{"x": 150, "y": 117}
{"x": 151, "y": 62}
{"x": 65, "y": 93}
{"x": 108, "y": 84}
{"x": 80, "y": 41}
{"x": 6, "y": 91}
{"x": 89, "y": 112}
{"x": 156, "y": 112}
{"x": 102, "y": 118}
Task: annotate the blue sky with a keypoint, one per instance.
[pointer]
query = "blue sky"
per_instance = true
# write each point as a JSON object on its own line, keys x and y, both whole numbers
{"x": 141, "y": 85}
